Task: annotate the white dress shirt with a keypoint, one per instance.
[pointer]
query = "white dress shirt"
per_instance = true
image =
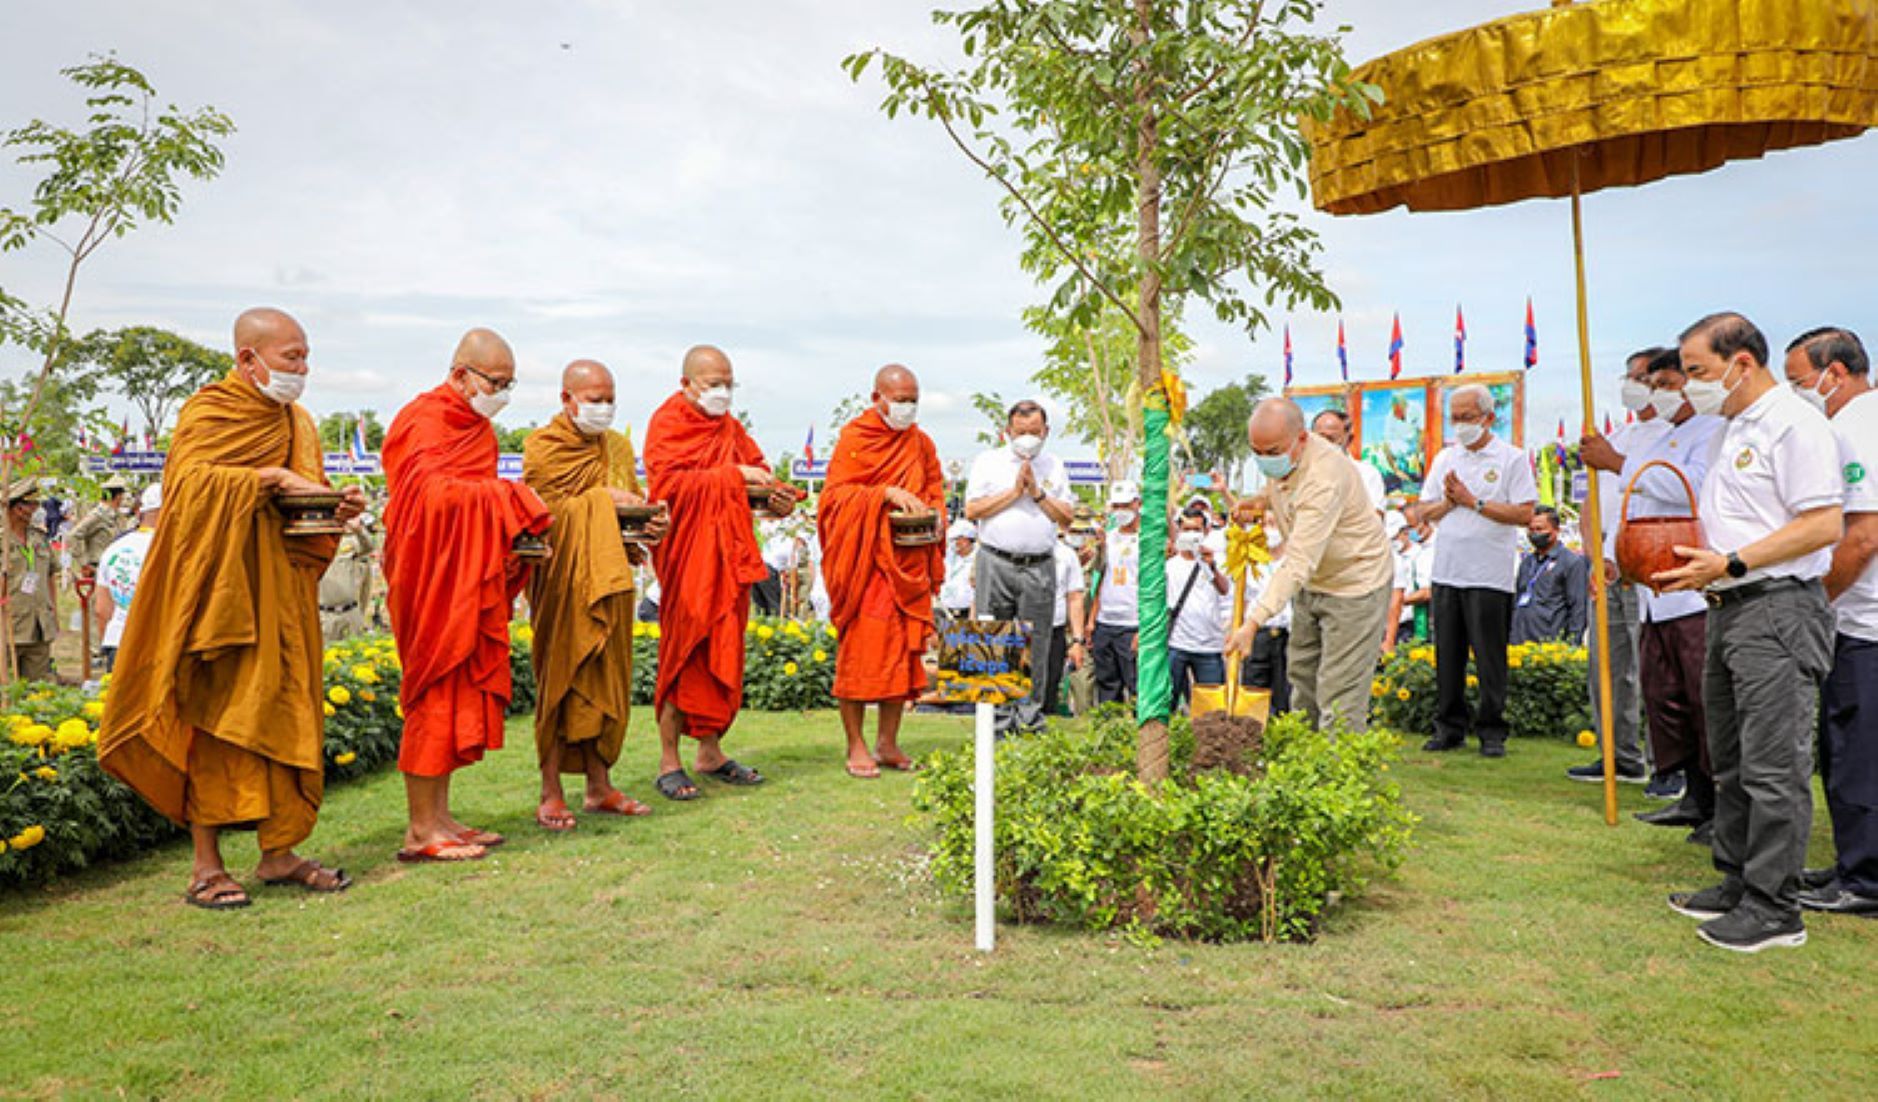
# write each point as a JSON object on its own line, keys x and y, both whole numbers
{"x": 1069, "y": 579}
{"x": 1688, "y": 447}
{"x": 1628, "y": 441}
{"x": 957, "y": 592}
{"x": 1118, "y": 602}
{"x": 1372, "y": 484}
{"x": 1474, "y": 552}
{"x": 1775, "y": 460}
{"x": 1199, "y": 628}
{"x": 1023, "y": 528}
{"x": 1856, "y": 427}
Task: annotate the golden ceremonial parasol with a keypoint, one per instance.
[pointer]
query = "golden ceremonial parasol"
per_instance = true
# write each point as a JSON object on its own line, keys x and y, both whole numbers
{"x": 1609, "y": 93}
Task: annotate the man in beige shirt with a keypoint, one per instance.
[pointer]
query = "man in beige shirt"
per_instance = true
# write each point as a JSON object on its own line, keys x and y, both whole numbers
{"x": 1336, "y": 570}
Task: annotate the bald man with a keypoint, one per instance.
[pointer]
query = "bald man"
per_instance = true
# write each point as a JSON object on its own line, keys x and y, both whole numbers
{"x": 214, "y": 714}
{"x": 451, "y": 580}
{"x": 581, "y": 600}
{"x": 1336, "y": 571}
{"x": 880, "y": 595}
{"x": 704, "y": 466}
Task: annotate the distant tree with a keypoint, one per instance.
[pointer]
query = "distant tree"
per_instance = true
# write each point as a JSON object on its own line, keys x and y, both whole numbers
{"x": 1216, "y": 426}
{"x": 994, "y": 409}
{"x": 336, "y": 430}
{"x": 510, "y": 440}
{"x": 1091, "y": 371}
{"x": 154, "y": 369}
{"x": 845, "y": 410}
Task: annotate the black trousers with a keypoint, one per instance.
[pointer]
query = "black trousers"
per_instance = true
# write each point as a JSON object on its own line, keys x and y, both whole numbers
{"x": 1475, "y": 620}
{"x": 1114, "y": 659}
{"x": 1059, "y": 653}
{"x": 1848, "y": 760}
{"x": 1264, "y": 668}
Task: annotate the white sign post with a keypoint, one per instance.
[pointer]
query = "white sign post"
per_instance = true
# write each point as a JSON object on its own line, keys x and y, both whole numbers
{"x": 984, "y": 878}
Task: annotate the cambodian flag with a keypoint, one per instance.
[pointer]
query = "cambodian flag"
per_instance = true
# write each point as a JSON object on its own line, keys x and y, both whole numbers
{"x": 1607, "y": 424}
{"x": 123, "y": 439}
{"x": 1287, "y": 355}
{"x": 1343, "y": 353}
{"x": 1561, "y": 428}
{"x": 1532, "y": 338}
{"x": 1395, "y": 349}
{"x": 1460, "y": 341}
{"x": 808, "y": 446}
{"x": 356, "y": 448}
{"x": 84, "y": 440}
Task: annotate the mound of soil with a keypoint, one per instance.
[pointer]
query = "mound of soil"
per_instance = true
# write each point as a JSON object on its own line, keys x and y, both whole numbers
{"x": 1222, "y": 741}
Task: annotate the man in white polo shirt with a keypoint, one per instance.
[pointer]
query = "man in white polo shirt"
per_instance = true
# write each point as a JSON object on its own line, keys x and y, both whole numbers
{"x": 1114, "y": 634}
{"x": 1479, "y": 493}
{"x": 1830, "y": 366}
{"x": 1772, "y": 507}
{"x": 1018, "y": 495}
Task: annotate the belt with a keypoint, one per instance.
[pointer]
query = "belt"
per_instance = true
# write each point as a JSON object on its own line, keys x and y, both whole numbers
{"x": 1734, "y": 595}
{"x": 1016, "y": 559}
{"x": 338, "y": 609}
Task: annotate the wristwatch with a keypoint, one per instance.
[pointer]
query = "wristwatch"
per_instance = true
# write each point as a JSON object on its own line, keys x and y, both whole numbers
{"x": 1480, "y": 507}
{"x": 1736, "y": 568}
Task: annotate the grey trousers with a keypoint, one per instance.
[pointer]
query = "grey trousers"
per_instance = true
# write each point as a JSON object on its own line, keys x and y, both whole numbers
{"x": 1007, "y": 591}
{"x": 1767, "y": 658}
{"x": 1626, "y": 633}
{"x": 1335, "y": 643}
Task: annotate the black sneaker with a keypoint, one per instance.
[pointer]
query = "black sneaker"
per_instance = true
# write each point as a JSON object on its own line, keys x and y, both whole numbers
{"x": 1493, "y": 749}
{"x": 1703, "y": 834}
{"x": 1675, "y": 815}
{"x": 1665, "y": 786}
{"x": 1439, "y": 745}
{"x": 1708, "y": 903}
{"x": 1840, "y": 900}
{"x": 1594, "y": 774}
{"x": 1819, "y": 878}
{"x": 1746, "y": 930}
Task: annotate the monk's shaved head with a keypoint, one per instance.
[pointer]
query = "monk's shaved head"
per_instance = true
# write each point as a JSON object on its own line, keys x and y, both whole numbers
{"x": 894, "y": 379}
{"x": 264, "y": 326}
{"x": 585, "y": 373}
{"x": 705, "y": 363}
{"x": 485, "y": 350}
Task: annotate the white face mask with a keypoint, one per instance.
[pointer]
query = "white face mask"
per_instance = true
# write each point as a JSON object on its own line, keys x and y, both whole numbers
{"x": 715, "y": 401}
{"x": 1469, "y": 434}
{"x": 282, "y": 386}
{"x": 593, "y": 418}
{"x": 1812, "y": 396}
{"x": 1124, "y": 517}
{"x": 901, "y": 416}
{"x": 1635, "y": 395}
{"x": 1708, "y": 396}
{"x": 1188, "y": 543}
{"x": 489, "y": 404}
{"x": 1027, "y": 446}
{"x": 1667, "y": 403}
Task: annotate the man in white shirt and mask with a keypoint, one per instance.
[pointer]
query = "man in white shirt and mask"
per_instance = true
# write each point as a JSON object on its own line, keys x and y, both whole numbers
{"x": 1196, "y": 635}
{"x": 1114, "y": 633}
{"x": 955, "y": 596}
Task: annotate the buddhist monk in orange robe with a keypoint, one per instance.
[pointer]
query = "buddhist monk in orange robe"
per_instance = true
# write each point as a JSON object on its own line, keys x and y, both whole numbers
{"x": 582, "y": 598}
{"x": 880, "y": 595}
{"x": 703, "y": 465}
{"x": 451, "y": 581}
{"x": 214, "y": 713}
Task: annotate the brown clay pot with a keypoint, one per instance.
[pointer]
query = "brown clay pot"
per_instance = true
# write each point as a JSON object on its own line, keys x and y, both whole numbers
{"x": 1646, "y": 545}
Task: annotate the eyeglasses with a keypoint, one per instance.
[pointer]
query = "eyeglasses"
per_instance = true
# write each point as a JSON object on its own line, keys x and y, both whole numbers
{"x": 496, "y": 386}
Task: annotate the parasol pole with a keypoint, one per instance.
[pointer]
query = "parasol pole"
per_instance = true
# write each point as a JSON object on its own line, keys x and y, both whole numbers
{"x": 1589, "y": 522}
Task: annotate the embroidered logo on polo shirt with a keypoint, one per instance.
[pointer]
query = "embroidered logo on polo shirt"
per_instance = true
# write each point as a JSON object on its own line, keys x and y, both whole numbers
{"x": 1745, "y": 459}
{"x": 1493, "y": 476}
{"x": 1854, "y": 473}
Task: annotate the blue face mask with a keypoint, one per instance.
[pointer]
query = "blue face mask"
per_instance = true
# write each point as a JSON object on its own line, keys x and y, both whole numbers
{"x": 1414, "y": 536}
{"x": 1273, "y": 466}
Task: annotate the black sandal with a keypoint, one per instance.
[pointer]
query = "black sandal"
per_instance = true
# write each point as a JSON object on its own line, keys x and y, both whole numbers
{"x": 217, "y": 892}
{"x": 672, "y": 786}
{"x": 736, "y": 773}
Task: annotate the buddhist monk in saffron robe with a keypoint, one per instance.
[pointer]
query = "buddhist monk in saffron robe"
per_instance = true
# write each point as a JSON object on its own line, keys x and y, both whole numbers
{"x": 703, "y": 465}
{"x": 582, "y": 598}
{"x": 880, "y": 595}
{"x": 451, "y": 581}
{"x": 214, "y": 713}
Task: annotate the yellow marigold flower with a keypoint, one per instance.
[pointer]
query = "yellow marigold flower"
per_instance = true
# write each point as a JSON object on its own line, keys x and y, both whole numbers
{"x": 399, "y": 710}
{"x": 1376, "y": 689}
{"x": 94, "y": 709}
{"x": 1472, "y": 681}
{"x": 1514, "y": 661}
{"x": 46, "y": 773}
{"x": 33, "y": 734}
{"x": 1401, "y": 694}
{"x": 789, "y": 669}
{"x": 28, "y": 838}
{"x": 764, "y": 631}
{"x": 829, "y": 631}
{"x": 73, "y": 733}
{"x": 820, "y": 655}
{"x": 331, "y": 655}
{"x": 346, "y": 758}
{"x": 329, "y": 710}
{"x": 366, "y": 674}
{"x": 368, "y": 696}
{"x": 794, "y": 629}
{"x": 339, "y": 695}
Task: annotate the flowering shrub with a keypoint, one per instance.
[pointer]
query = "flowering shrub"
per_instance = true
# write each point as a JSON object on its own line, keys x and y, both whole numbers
{"x": 1546, "y": 694}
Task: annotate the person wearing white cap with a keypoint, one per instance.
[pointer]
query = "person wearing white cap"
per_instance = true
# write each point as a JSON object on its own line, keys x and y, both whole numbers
{"x": 121, "y": 565}
{"x": 1018, "y": 495}
{"x": 955, "y": 596}
{"x": 1113, "y": 635}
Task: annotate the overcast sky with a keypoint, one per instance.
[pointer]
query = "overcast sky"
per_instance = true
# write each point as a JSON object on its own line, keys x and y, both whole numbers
{"x": 621, "y": 180}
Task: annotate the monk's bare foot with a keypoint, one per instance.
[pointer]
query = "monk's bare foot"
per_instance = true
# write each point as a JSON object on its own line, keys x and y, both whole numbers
{"x": 277, "y": 869}
{"x": 611, "y": 801}
{"x": 862, "y": 766}
{"x": 469, "y": 835}
{"x": 892, "y": 757}
{"x": 439, "y": 846}
{"x": 554, "y": 815}
{"x": 213, "y": 889}
{"x": 706, "y": 762}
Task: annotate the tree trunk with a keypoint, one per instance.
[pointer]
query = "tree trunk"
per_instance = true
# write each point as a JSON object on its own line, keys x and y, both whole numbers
{"x": 1152, "y": 689}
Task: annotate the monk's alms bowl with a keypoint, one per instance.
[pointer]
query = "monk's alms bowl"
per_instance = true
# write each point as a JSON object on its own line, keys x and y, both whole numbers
{"x": 311, "y": 514}
{"x": 759, "y": 498}
{"x": 635, "y": 519}
{"x": 915, "y": 529}
{"x": 529, "y": 547}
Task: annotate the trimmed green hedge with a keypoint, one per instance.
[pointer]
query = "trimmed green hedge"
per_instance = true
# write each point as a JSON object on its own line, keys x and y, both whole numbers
{"x": 1546, "y": 691}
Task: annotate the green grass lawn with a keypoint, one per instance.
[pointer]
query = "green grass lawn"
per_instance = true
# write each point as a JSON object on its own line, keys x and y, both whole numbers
{"x": 786, "y": 942}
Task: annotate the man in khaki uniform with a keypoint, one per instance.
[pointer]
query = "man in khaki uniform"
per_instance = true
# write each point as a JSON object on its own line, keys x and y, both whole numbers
{"x": 346, "y": 587}
{"x": 31, "y": 588}
{"x": 91, "y": 535}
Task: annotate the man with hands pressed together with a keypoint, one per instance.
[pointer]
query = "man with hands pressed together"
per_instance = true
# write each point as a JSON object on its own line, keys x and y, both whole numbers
{"x": 1480, "y": 491}
{"x": 1771, "y": 506}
